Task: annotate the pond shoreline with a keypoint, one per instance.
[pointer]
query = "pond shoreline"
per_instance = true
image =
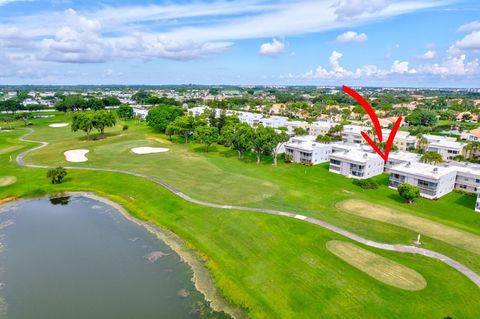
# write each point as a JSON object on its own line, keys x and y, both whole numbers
{"x": 201, "y": 278}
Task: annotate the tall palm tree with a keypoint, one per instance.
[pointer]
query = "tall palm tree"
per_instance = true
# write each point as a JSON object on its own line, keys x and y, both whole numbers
{"x": 421, "y": 141}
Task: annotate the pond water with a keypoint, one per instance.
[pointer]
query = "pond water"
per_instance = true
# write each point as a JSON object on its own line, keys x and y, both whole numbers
{"x": 79, "y": 258}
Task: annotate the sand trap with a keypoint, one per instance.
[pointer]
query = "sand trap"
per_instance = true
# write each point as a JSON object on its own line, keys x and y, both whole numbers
{"x": 76, "y": 156}
{"x": 7, "y": 180}
{"x": 149, "y": 150}
{"x": 59, "y": 125}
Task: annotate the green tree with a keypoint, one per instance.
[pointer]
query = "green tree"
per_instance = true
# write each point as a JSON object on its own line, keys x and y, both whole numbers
{"x": 327, "y": 139}
{"x": 183, "y": 126}
{"x": 421, "y": 117}
{"x": 206, "y": 135}
{"x": 95, "y": 104}
{"x": 261, "y": 142}
{"x": 111, "y": 101}
{"x": 103, "y": 119}
{"x": 125, "y": 112}
{"x": 276, "y": 143}
{"x": 431, "y": 157}
{"x": 159, "y": 117}
{"x": 57, "y": 175}
{"x": 239, "y": 136}
{"x": 82, "y": 122}
{"x": 300, "y": 131}
{"x": 408, "y": 192}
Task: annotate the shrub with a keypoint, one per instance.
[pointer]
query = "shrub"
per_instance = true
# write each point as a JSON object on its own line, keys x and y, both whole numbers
{"x": 366, "y": 183}
{"x": 125, "y": 127}
{"x": 56, "y": 175}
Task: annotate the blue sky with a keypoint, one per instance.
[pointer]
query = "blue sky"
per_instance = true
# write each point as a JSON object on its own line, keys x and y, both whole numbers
{"x": 305, "y": 42}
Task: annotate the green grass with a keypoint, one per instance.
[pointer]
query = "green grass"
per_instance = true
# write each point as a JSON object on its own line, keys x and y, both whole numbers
{"x": 274, "y": 267}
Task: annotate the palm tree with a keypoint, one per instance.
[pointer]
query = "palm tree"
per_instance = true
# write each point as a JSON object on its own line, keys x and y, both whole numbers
{"x": 421, "y": 141}
{"x": 471, "y": 149}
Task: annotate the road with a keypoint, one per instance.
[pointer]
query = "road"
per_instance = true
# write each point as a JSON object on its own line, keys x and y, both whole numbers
{"x": 474, "y": 277}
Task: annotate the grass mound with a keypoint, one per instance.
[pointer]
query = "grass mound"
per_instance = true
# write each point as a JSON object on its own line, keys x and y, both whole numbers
{"x": 378, "y": 267}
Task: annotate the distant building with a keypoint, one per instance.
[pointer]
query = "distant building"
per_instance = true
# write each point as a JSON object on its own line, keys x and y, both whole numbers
{"x": 356, "y": 164}
{"x": 447, "y": 149}
{"x": 320, "y": 128}
{"x": 352, "y": 134}
{"x": 472, "y": 135}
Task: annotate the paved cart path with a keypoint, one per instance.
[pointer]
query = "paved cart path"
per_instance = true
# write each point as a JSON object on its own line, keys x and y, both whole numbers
{"x": 398, "y": 248}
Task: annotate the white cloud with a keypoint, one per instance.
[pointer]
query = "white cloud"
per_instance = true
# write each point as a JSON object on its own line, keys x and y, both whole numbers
{"x": 454, "y": 65}
{"x": 470, "y": 42}
{"x": 352, "y": 36}
{"x": 401, "y": 67}
{"x": 273, "y": 48}
{"x": 429, "y": 55}
{"x": 346, "y": 9}
{"x": 471, "y": 26}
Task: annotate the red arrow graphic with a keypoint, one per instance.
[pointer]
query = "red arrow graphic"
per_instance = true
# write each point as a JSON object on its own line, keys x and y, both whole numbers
{"x": 376, "y": 123}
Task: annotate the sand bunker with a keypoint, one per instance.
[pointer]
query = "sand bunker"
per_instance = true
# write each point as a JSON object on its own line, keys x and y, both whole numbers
{"x": 7, "y": 180}
{"x": 59, "y": 125}
{"x": 149, "y": 150}
{"x": 76, "y": 156}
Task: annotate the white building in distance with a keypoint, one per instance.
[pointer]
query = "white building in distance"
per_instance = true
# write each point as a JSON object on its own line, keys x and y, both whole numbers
{"x": 352, "y": 134}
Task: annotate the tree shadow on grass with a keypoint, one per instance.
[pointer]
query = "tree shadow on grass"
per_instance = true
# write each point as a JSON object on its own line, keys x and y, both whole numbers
{"x": 467, "y": 200}
{"x": 98, "y": 136}
{"x": 396, "y": 198}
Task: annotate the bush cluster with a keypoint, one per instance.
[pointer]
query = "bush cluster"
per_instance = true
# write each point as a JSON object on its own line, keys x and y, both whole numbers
{"x": 366, "y": 183}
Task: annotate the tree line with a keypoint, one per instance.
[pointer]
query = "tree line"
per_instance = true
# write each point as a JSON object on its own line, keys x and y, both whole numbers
{"x": 211, "y": 128}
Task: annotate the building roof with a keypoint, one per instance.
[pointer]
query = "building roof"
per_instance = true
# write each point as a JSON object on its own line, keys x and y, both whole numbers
{"x": 447, "y": 144}
{"x": 422, "y": 170}
{"x": 356, "y": 129}
{"x": 464, "y": 167}
{"x": 404, "y": 156}
{"x": 433, "y": 138}
{"x": 356, "y": 156}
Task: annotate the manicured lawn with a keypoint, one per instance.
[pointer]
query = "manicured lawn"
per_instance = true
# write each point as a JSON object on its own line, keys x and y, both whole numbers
{"x": 272, "y": 266}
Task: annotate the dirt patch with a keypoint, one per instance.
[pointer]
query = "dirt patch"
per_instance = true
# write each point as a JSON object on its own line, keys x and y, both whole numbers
{"x": 158, "y": 139}
{"x": 7, "y": 200}
{"x": 447, "y": 234}
{"x": 7, "y": 180}
{"x": 378, "y": 267}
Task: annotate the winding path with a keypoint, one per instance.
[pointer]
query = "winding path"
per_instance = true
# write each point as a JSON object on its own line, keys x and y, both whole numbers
{"x": 398, "y": 248}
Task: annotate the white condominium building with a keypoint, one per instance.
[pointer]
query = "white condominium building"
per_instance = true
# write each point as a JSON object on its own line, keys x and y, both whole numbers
{"x": 400, "y": 157}
{"x": 320, "y": 127}
{"x": 433, "y": 181}
{"x": 352, "y": 134}
{"x": 274, "y": 121}
{"x": 403, "y": 140}
{"x": 304, "y": 149}
{"x": 447, "y": 149}
{"x": 468, "y": 176}
{"x": 356, "y": 164}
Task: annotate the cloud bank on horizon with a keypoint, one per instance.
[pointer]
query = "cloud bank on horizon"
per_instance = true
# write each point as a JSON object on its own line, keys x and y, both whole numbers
{"x": 362, "y": 42}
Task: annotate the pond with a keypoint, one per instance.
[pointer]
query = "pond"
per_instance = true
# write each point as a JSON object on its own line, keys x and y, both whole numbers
{"x": 75, "y": 257}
